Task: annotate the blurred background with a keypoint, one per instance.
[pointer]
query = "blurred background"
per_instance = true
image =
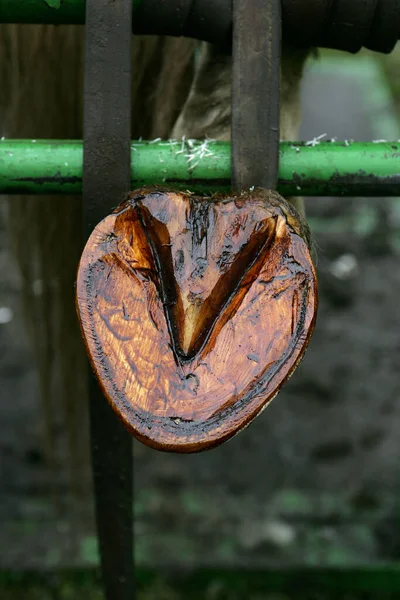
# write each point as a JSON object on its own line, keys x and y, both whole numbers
{"x": 315, "y": 480}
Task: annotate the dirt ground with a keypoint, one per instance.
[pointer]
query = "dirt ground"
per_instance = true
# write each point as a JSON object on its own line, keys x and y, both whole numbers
{"x": 315, "y": 480}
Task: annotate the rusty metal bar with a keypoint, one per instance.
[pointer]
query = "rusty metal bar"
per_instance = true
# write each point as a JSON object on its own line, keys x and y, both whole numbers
{"x": 106, "y": 179}
{"x": 256, "y": 51}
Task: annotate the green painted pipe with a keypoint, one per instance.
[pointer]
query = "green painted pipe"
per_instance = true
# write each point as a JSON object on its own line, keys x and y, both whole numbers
{"x": 68, "y": 12}
{"x": 381, "y": 580}
{"x": 309, "y": 168}
{"x": 43, "y": 11}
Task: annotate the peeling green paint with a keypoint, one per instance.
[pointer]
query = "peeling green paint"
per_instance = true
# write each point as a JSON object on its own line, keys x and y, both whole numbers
{"x": 54, "y": 3}
{"x": 312, "y": 168}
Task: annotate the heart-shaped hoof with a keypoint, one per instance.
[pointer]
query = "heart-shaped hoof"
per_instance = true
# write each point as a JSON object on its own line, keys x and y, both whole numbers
{"x": 195, "y": 311}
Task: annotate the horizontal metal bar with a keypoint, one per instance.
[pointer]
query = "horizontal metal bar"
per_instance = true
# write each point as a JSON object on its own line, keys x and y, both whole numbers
{"x": 336, "y": 24}
{"x": 308, "y": 168}
{"x": 377, "y": 580}
{"x": 243, "y": 580}
{"x": 43, "y": 11}
{"x": 57, "y": 12}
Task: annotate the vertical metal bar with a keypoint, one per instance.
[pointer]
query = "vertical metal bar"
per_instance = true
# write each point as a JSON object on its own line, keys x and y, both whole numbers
{"x": 256, "y": 49}
{"x": 106, "y": 179}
